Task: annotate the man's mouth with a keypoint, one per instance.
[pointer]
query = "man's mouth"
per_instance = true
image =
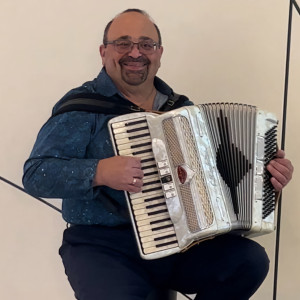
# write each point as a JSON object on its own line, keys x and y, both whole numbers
{"x": 134, "y": 63}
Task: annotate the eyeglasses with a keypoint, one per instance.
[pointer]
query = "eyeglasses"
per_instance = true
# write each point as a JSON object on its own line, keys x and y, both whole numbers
{"x": 145, "y": 47}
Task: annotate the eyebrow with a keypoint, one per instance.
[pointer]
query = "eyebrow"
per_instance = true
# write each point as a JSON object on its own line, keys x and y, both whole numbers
{"x": 127, "y": 37}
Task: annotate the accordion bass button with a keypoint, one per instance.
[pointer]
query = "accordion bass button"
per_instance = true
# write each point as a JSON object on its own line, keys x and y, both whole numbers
{"x": 162, "y": 164}
{"x": 170, "y": 194}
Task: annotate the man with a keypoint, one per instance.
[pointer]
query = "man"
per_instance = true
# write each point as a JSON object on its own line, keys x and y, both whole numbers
{"x": 73, "y": 159}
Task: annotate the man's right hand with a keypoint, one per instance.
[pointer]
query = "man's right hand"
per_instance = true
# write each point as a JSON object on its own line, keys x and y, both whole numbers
{"x": 120, "y": 173}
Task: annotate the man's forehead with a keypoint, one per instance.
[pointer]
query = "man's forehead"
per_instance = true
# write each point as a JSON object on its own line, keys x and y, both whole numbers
{"x": 133, "y": 25}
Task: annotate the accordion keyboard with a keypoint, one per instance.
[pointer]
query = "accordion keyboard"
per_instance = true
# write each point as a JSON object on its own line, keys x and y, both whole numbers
{"x": 150, "y": 213}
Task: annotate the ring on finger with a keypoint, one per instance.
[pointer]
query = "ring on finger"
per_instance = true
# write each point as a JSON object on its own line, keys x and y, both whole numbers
{"x": 134, "y": 181}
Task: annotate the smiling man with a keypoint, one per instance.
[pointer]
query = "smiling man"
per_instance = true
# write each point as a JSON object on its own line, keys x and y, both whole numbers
{"x": 73, "y": 159}
{"x": 132, "y": 61}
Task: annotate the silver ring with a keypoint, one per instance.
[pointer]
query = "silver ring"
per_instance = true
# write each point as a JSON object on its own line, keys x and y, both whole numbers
{"x": 134, "y": 181}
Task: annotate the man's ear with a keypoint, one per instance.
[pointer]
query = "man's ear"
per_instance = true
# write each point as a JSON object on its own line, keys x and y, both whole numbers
{"x": 102, "y": 50}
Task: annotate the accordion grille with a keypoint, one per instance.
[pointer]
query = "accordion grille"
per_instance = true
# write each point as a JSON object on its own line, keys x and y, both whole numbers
{"x": 269, "y": 193}
{"x": 203, "y": 217}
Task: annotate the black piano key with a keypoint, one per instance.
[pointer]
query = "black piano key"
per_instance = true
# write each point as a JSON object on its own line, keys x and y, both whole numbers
{"x": 155, "y": 205}
{"x": 135, "y": 122}
{"x": 151, "y": 173}
{"x": 151, "y": 182}
{"x": 166, "y": 244}
{"x": 140, "y": 145}
{"x": 162, "y": 227}
{"x": 136, "y": 129}
{"x": 159, "y": 221}
{"x": 154, "y": 198}
{"x": 138, "y": 136}
{"x": 147, "y": 159}
{"x": 152, "y": 189}
{"x": 157, "y": 212}
{"x": 148, "y": 167}
{"x": 142, "y": 151}
{"x": 164, "y": 237}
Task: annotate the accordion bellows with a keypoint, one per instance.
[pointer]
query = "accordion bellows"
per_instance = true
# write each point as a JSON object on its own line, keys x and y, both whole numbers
{"x": 204, "y": 173}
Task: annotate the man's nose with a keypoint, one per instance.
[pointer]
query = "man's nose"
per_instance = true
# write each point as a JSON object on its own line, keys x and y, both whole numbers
{"x": 135, "y": 52}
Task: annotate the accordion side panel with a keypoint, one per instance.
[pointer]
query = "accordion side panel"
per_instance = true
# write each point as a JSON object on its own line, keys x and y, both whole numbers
{"x": 264, "y": 194}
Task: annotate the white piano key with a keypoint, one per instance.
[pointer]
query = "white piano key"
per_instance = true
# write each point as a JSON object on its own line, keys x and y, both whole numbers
{"x": 154, "y": 249}
{"x": 155, "y": 226}
{"x": 162, "y": 214}
{"x": 159, "y": 238}
{"x": 152, "y": 243}
{"x": 143, "y": 232}
{"x": 135, "y": 143}
{"x": 130, "y": 128}
{"x": 124, "y": 123}
{"x": 145, "y": 197}
{"x": 133, "y": 151}
{"x": 121, "y": 136}
{"x": 150, "y": 172}
{"x": 145, "y": 205}
{"x": 143, "y": 211}
{"x": 155, "y": 219}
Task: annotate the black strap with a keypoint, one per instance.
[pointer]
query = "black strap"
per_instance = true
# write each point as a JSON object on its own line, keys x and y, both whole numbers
{"x": 97, "y": 103}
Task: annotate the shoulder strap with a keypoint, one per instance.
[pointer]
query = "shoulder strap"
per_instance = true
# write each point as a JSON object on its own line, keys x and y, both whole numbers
{"x": 95, "y": 103}
{"x": 174, "y": 101}
{"x": 98, "y": 103}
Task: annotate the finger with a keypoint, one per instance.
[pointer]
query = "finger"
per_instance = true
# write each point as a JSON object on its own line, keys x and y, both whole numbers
{"x": 138, "y": 173}
{"x": 280, "y": 154}
{"x": 276, "y": 184}
{"x": 133, "y": 189}
{"x": 136, "y": 162}
{"x": 130, "y": 161}
{"x": 283, "y": 166}
{"x": 280, "y": 176}
{"x": 137, "y": 182}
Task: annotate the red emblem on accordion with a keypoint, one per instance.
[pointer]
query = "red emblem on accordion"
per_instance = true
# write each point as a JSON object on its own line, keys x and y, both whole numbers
{"x": 182, "y": 174}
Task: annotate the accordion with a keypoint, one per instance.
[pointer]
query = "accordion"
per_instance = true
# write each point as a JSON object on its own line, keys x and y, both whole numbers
{"x": 204, "y": 173}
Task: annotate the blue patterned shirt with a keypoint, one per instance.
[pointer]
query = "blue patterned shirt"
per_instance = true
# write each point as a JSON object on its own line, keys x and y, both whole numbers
{"x": 64, "y": 159}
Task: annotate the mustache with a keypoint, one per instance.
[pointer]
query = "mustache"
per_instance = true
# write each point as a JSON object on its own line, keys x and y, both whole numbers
{"x": 129, "y": 59}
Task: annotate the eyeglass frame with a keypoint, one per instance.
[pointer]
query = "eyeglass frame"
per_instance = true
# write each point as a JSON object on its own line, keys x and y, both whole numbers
{"x": 155, "y": 45}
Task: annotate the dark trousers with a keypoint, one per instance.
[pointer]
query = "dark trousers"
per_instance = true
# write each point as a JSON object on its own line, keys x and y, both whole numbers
{"x": 104, "y": 264}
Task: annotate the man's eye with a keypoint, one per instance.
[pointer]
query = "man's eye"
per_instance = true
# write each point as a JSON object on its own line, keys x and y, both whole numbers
{"x": 147, "y": 45}
{"x": 123, "y": 44}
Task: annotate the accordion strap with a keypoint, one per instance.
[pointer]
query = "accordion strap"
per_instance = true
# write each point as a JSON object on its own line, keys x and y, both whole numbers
{"x": 98, "y": 103}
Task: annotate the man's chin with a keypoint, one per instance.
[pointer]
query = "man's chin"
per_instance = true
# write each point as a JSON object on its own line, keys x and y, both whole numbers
{"x": 134, "y": 78}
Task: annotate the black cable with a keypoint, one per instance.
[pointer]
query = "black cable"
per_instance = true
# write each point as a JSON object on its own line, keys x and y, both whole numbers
{"x": 24, "y": 191}
{"x": 286, "y": 85}
{"x": 296, "y": 6}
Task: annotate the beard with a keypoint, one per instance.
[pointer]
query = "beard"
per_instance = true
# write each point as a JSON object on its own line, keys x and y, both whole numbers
{"x": 134, "y": 71}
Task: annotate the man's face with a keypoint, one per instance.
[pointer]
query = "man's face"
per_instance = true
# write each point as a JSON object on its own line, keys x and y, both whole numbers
{"x": 132, "y": 67}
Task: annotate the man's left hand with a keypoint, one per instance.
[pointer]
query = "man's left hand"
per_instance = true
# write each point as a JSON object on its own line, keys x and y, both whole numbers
{"x": 281, "y": 170}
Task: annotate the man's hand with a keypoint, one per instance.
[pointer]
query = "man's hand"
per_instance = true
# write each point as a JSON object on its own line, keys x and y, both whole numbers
{"x": 281, "y": 170}
{"x": 120, "y": 173}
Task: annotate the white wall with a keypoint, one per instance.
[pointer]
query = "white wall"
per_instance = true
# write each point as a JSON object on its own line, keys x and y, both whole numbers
{"x": 231, "y": 50}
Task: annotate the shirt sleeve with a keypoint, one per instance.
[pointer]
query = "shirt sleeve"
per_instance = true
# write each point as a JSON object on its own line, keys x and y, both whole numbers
{"x": 59, "y": 166}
